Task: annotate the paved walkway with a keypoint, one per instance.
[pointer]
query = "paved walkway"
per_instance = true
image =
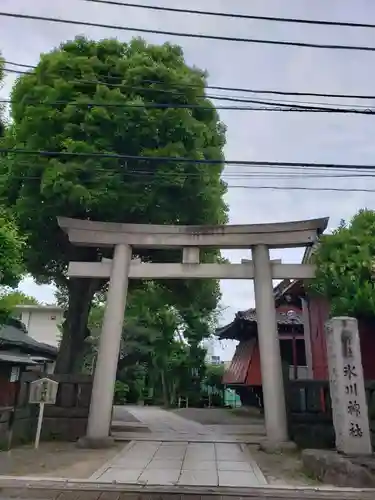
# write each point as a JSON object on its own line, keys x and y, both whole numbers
{"x": 169, "y": 463}
{"x": 162, "y": 421}
{"x": 136, "y": 422}
{"x": 172, "y": 450}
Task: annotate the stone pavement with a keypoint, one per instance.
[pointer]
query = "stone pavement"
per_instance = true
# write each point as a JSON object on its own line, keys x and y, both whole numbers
{"x": 161, "y": 421}
{"x": 173, "y": 450}
{"x": 182, "y": 463}
{"x": 136, "y": 422}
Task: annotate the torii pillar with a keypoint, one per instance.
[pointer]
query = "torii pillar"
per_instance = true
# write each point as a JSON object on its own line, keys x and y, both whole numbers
{"x": 123, "y": 237}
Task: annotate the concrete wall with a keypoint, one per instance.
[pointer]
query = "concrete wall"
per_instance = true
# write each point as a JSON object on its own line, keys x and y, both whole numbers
{"x": 42, "y": 322}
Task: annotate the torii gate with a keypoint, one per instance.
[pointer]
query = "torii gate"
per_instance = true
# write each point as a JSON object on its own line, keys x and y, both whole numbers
{"x": 123, "y": 237}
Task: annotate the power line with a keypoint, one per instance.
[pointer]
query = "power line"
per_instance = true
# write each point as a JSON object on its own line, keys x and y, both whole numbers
{"x": 297, "y": 170}
{"x": 174, "y": 93}
{"x": 225, "y": 175}
{"x": 149, "y": 179}
{"x": 149, "y": 182}
{"x": 220, "y": 88}
{"x": 292, "y": 105}
{"x": 235, "y": 16}
{"x": 266, "y": 187}
{"x": 189, "y": 35}
{"x": 169, "y": 159}
{"x": 275, "y": 108}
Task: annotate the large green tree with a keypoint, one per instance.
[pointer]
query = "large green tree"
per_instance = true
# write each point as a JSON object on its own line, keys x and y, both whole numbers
{"x": 64, "y": 106}
{"x": 345, "y": 263}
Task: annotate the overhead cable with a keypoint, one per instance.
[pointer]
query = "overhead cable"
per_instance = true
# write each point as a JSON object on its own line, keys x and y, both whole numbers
{"x": 29, "y": 17}
{"x": 234, "y": 15}
{"x": 250, "y": 175}
{"x": 151, "y": 181}
{"x": 303, "y": 106}
{"x": 169, "y": 159}
{"x": 220, "y": 88}
{"x": 279, "y": 107}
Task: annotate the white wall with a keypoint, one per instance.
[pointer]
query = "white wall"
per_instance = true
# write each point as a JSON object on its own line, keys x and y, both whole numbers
{"x": 42, "y": 324}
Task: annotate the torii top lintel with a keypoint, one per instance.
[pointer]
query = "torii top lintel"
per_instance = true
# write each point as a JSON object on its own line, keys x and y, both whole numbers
{"x": 274, "y": 235}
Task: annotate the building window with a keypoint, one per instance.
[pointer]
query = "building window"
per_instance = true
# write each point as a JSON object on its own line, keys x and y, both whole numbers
{"x": 215, "y": 360}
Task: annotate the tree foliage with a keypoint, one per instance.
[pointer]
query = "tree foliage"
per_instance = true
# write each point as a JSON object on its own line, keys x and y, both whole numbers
{"x": 155, "y": 357}
{"x": 62, "y": 106}
{"x": 11, "y": 251}
{"x": 9, "y": 299}
{"x": 214, "y": 376}
{"x": 11, "y": 242}
{"x": 2, "y": 127}
{"x": 345, "y": 263}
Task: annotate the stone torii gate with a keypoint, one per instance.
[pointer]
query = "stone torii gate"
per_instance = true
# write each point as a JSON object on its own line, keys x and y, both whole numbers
{"x": 123, "y": 237}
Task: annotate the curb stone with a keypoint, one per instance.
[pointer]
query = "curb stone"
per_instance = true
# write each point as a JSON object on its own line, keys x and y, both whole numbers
{"x": 59, "y": 489}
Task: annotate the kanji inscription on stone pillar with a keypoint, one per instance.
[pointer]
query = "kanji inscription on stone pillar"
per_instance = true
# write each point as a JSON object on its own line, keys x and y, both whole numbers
{"x": 349, "y": 405}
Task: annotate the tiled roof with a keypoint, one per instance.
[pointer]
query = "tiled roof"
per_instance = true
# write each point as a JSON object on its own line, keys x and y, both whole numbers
{"x": 237, "y": 370}
{"x": 238, "y": 328}
{"x": 15, "y": 335}
{"x": 290, "y": 317}
{"x": 16, "y": 358}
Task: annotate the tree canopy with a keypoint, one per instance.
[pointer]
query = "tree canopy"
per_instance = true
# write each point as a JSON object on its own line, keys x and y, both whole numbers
{"x": 114, "y": 98}
{"x": 1, "y": 84}
{"x": 345, "y": 263}
{"x": 12, "y": 298}
{"x": 9, "y": 299}
{"x": 12, "y": 246}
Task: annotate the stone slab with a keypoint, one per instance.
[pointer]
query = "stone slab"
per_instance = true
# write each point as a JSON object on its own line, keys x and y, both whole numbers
{"x": 199, "y": 477}
{"x": 203, "y": 465}
{"x": 121, "y": 475}
{"x": 158, "y": 476}
{"x": 234, "y": 466}
{"x": 193, "y": 455}
{"x": 131, "y": 463}
{"x": 237, "y": 478}
{"x": 171, "y": 452}
{"x": 231, "y": 452}
{"x": 165, "y": 464}
{"x": 238, "y": 429}
{"x": 54, "y": 489}
{"x": 188, "y": 437}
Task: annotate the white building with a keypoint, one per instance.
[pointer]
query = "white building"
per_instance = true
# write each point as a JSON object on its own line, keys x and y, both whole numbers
{"x": 211, "y": 359}
{"x": 42, "y": 322}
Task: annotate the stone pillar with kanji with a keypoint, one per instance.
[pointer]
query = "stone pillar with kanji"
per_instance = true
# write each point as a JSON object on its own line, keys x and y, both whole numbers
{"x": 347, "y": 388}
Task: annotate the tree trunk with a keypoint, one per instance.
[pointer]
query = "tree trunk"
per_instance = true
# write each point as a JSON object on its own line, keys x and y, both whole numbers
{"x": 75, "y": 330}
{"x": 165, "y": 388}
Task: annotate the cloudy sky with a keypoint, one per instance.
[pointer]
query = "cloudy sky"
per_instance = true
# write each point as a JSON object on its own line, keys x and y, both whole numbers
{"x": 251, "y": 136}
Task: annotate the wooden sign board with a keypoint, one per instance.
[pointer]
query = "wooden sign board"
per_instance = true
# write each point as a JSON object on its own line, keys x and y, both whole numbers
{"x": 43, "y": 390}
{"x": 14, "y": 374}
